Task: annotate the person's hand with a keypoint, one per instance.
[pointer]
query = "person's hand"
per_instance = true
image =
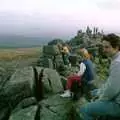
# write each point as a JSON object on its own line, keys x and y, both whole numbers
{"x": 94, "y": 95}
{"x": 94, "y": 92}
{"x": 94, "y": 98}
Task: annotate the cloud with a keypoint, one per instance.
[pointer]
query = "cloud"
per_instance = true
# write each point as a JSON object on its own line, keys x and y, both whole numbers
{"x": 58, "y": 16}
{"x": 107, "y": 4}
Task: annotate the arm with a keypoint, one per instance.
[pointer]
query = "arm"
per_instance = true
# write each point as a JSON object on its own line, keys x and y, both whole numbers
{"x": 112, "y": 86}
{"x": 82, "y": 69}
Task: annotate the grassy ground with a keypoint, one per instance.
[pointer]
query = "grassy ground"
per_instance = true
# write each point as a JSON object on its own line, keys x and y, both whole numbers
{"x": 11, "y": 59}
{"x": 19, "y": 53}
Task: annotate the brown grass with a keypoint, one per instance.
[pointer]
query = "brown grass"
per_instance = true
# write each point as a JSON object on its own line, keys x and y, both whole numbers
{"x": 19, "y": 53}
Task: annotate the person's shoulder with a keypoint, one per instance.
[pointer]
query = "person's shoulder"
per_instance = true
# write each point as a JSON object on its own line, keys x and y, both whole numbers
{"x": 87, "y": 61}
{"x": 82, "y": 64}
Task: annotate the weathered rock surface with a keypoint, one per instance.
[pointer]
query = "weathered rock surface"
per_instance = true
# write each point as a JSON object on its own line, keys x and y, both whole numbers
{"x": 55, "y": 108}
{"x": 52, "y": 108}
{"x": 25, "y": 114}
{"x": 19, "y": 87}
{"x": 51, "y": 80}
{"x": 2, "y": 77}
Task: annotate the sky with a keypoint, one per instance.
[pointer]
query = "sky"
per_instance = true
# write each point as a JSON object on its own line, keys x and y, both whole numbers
{"x": 58, "y": 18}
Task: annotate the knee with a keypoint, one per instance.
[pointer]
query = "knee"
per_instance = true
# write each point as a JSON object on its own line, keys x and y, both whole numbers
{"x": 85, "y": 110}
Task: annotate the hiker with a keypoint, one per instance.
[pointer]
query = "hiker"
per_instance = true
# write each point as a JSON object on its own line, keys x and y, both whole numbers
{"x": 65, "y": 54}
{"x": 108, "y": 102}
{"x": 85, "y": 73}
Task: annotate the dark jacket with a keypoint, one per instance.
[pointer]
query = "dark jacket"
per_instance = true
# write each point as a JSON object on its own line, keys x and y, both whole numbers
{"x": 89, "y": 73}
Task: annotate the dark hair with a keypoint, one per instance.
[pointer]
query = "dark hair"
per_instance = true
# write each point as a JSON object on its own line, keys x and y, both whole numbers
{"x": 113, "y": 39}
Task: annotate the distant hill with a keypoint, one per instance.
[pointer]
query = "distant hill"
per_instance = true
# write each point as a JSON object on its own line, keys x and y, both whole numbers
{"x": 21, "y": 41}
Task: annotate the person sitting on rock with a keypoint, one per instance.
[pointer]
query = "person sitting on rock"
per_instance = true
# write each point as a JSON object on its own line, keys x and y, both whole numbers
{"x": 108, "y": 96}
{"x": 84, "y": 75}
{"x": 65, "y": 54}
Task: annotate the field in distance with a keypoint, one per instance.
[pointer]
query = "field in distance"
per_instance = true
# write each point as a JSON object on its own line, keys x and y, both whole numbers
{"x": 13, "y": 58}
{"x": 19, "y": 53}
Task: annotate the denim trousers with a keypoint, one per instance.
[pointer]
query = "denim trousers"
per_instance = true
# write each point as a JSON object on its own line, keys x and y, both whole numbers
{"x": 92, "y": 110}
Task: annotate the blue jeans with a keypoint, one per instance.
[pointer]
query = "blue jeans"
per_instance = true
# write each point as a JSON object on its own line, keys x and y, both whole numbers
{"x": 99, "y": 108}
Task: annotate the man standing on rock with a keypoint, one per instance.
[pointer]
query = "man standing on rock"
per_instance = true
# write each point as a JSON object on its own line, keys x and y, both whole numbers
{"x": 108, "y": 102}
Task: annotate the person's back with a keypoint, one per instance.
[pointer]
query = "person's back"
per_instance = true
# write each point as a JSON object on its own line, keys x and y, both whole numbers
{"x": 89, "y": 72}
{"x": 87, "y": 78}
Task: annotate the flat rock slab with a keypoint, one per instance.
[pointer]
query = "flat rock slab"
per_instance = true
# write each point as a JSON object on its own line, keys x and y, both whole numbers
{"x": 55, "y": 108}
{"x": 25, "y": 114}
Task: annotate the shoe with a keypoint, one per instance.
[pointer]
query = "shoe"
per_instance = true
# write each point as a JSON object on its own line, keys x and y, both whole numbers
{"x": 69, "y": 65}
{"x": 67, "y": 93}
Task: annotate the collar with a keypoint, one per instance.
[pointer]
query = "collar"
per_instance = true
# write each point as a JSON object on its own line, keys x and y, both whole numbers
{"x": 116, "y": 55}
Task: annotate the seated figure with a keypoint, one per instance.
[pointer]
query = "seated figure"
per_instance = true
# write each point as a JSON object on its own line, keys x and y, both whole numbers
{"x": 83, "y": 77}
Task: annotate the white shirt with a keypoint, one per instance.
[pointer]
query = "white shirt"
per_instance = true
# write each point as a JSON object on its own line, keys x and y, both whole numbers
{"x": 82, "y": 69}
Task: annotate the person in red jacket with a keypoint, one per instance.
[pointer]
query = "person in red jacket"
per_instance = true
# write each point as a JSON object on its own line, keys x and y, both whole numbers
{"x": 77, "y": 77}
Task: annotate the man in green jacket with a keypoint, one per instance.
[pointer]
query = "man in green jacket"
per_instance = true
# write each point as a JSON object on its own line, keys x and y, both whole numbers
{"x": 108, "y": 102}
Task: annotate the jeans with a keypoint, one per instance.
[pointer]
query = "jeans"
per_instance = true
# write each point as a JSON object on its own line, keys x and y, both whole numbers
{"x": 99, "y": 108}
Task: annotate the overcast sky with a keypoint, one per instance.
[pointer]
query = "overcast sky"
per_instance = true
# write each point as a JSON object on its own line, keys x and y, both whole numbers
{"x": 58, "y": 18}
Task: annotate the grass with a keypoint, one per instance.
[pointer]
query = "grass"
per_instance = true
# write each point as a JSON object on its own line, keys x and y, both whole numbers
{"x": 14, "y": 58}
{"x": 19, "y": 53}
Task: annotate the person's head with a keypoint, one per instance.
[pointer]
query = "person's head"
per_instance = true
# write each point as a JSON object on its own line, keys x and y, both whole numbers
{"x": 111, "y": 44}
{"x": 84, "y": 53}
